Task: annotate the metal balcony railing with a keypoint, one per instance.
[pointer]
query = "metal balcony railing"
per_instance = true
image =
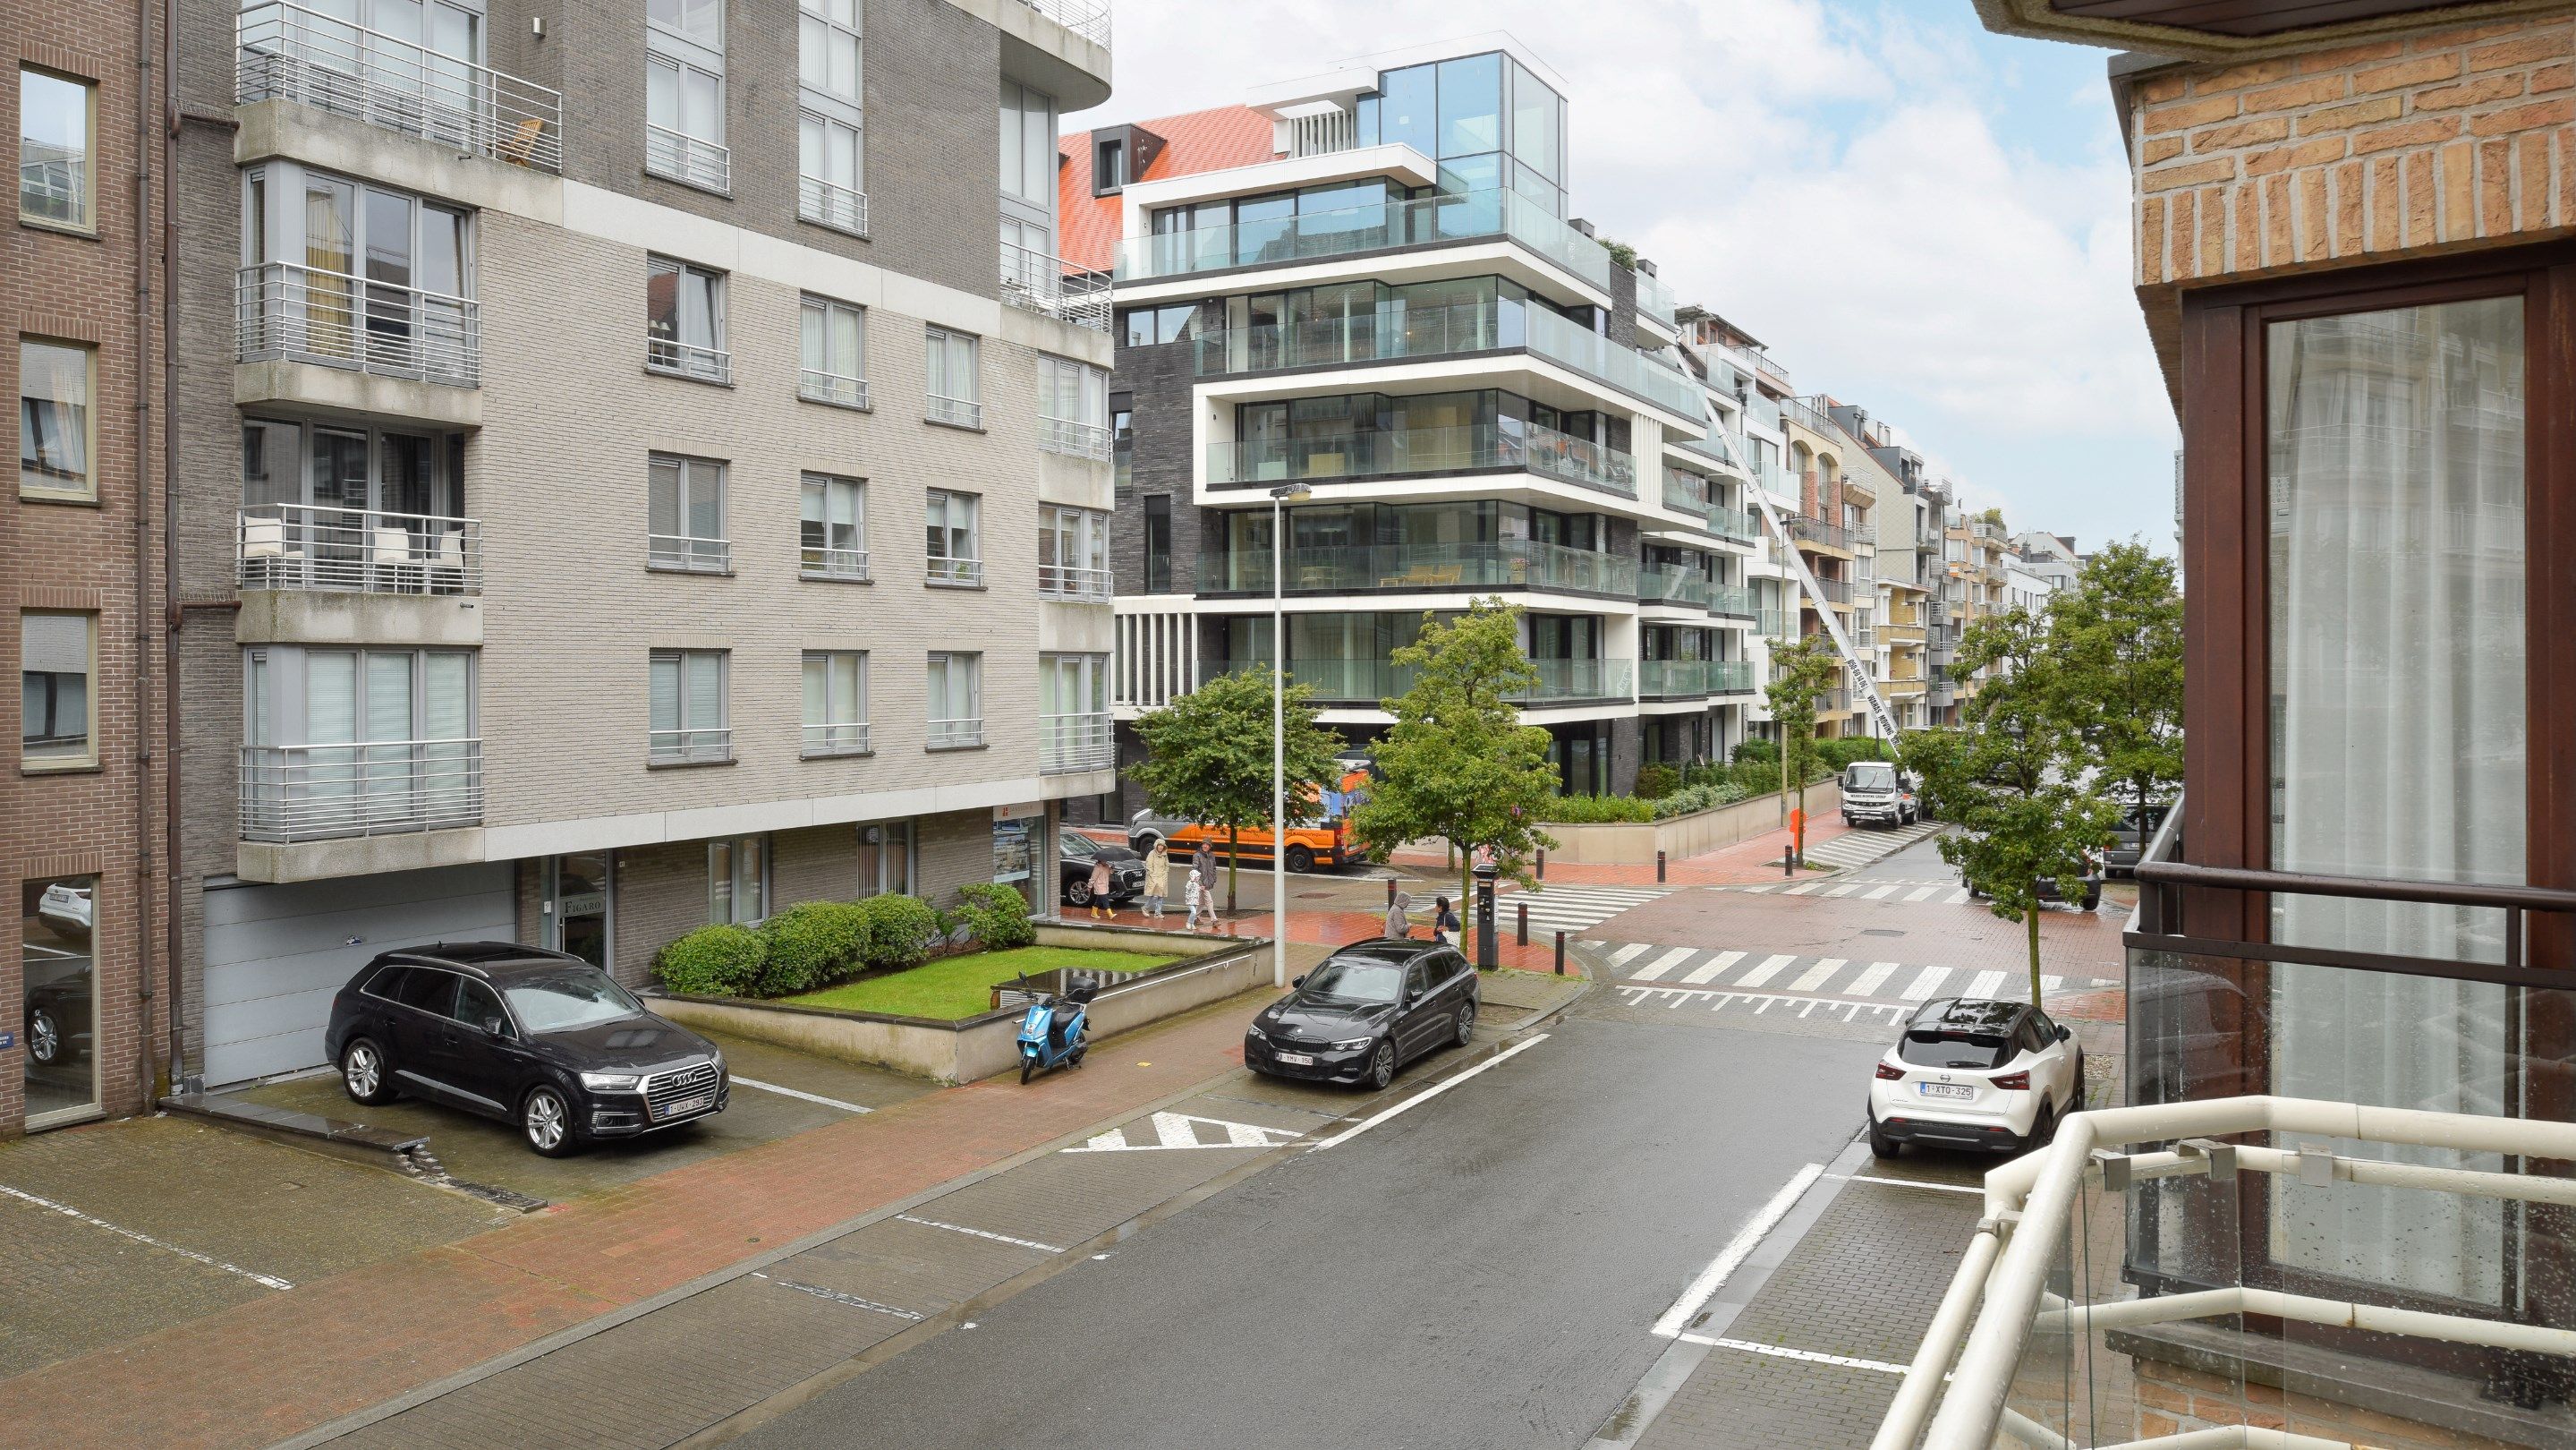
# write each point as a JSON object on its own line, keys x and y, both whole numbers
{"x": 1540, "y": 450}
{"x": 289, "y": 312}
{"x": 687, "y": 360}
{"x": 689, "y": 747}
{"x": 848, "y": 738}
{"x": 1036, "y": 282}
{"x": 1655, "y": 299}
{"x": 686, "y": 159}
{"x": 318, "y": 792}
{"x": 1065, "y": 581}
{"x": 688, "y": 553}
{"x": 356, "y": 551}
{"x": 960, "y": 412}
{"x": 832, "y": 204}
{"x": 292, "y": 53}
{"x": 1068, "y": 743}
{"x": 816, "y": 562}
{"x": 1083, "y": 17}
{"x": 941, "y": 570}
{"x": 956, "y": 734}
{"x": 1078, "y": 440}
{"x": 1452, "y": 217}
{"x": 1838, "y": 591}
{"x": 1808, "y": 529}
{"x": 1424, "y": 568}
{"x": 835, "y": 388}
{"x": 1686, "y": 587}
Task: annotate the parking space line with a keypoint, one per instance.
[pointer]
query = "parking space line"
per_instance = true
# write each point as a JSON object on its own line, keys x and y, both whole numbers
{"x": 67, "y": 1211}
{"x": 1809, "y": 1356}
{"x": 1436, "y": 1090}
{"x": 959, "y": 1228}
{"x": 837, "y": 1297}
{"x": 1913, "y": 1183}
{"x": 789, "y": 1092}
{"x": 1737, "y": 1250}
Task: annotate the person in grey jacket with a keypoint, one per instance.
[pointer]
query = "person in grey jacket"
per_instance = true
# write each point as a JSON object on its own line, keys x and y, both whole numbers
{"x": 1396, "y": 925}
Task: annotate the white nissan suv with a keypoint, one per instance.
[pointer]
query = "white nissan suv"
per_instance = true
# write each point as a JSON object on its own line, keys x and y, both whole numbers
{"x": 1973, "y": 1073}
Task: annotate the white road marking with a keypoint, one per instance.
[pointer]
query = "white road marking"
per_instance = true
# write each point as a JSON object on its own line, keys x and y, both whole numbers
{"x": 1817, "y": 975}
{"x": 1875, "y": 895}
{"x": 2050, "y": 984}
{"x": 1175, "y": 1132}
{"x": 67, "y": 1211}
{"x": 1436, "y": 1090}
{"x": 1911, "y": 1183}
{"x": 959, "y": 1228}
{"x": 1770, "y": 968}
{"x": 1986, "y": 985}
{"x": 1803, "y": 890}
{"x": 1921, "y": 893}
{"x": 1867, "y": 982}
{"x": 837, "y": 1297}
{"x": 1630, "y": 952}
{"x": 1957, "y": 897}
{"x": 1841, "y": 890}
{"x": 1761, "y": 1002}
{"x": 1809, "y": 1356}
{"x": 1925, "y": 984}
{"x": 1662, "y": 964}
{"x": 1708, "y": 971}
{"x": 1737, "y": 1250}
{"x": 789, "y": 1092}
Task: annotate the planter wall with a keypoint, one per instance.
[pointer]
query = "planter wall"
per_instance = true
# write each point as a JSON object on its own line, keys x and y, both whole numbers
{"x": 1636, "y": 844}
{"x": 980, "y": 1046}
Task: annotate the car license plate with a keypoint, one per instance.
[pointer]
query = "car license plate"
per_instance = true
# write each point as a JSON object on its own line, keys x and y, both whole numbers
{"x": 686, "y": 1106}
{"x": 1295, "y": 1059}
{"x": 1944, "y": 1090}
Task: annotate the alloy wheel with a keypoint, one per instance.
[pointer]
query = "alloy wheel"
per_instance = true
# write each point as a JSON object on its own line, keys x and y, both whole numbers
{"x": 1466, "y": 1023}
{"x": 1382, "y": 1066}
{"x": 546, "y": 1120}
{"x": 362, "y": 1072}
{"x": 44, "y": 1037}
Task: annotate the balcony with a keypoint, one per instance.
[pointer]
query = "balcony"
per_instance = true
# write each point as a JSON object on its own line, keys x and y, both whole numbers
{"x": 1364, "y": 683}
{"x": 321, "y": 792}
{"x": 285, "y": 312}
{"x": 846, "y": 565}
{"x": 1443, "y": 332}
{"x": 1807, "y": 529}
{"x": 689, "y": 747}
{"x": 1734, "y": 600}
{"x": 670, "y": 356}
{"x": 290, "y": 53}
{"x": 675, "y": 156}
{"x": 1685, "y": 492}
{"x": 1836, "y": 590}
{"x": 1457, "y": 217}
{"x": 1424, "y": 568}
{"x": 1672, "y": 679}
{"x": 1731, "y": 677}
{"x": 955, "y": 412}
{"x": 1070, "y": 743}
{"x": 356, "y": 551}
{"x": 1082, "y": 17}
{"x": 824, "y": 741}
{"x": 960, "y": 573}
{"x": 1075, "y": 440}
{"x": 831, "y": 204}
{"x": 837, "y": 389}
{"x": 1082, "y": 586}
{"x": 958, "y": 734}
{"x": 1036, "y": 282}
{"x": 1415, "y": 451}
{"x": 1684, "y": 587}
{"x": 1773, "y": 623}
{"x": 1655, "y": 300}
{"x": 1903, "y": 634}
{"x": 688, "y": 554}
{"x": 1744, "y": 526}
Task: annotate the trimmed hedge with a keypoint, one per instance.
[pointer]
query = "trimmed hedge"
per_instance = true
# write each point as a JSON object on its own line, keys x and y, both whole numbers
{"x": 997, "y": 915}
{"x": 714, "y": 961}
{"x": 1654, "y": 782}
{"x": 901, "y": 932}
{"x": 1691, "y": 798}
{"x": 1591, "y": 810}
{"x": 1846, "y": 749}
{"x": 813, "y": 944}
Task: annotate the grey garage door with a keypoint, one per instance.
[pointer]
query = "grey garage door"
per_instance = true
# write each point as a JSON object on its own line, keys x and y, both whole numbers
{"x": 275, "y": 954}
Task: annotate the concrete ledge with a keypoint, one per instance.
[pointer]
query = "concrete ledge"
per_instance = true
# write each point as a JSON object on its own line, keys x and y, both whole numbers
{"x": 356, "y": 855}
{"x": 347, "y": 390}
{"x": 312, "y": 616}
{"x": 1635, "y": 844}
{"x": 403, "y": 1153}
{"x": 980, "y": 1046}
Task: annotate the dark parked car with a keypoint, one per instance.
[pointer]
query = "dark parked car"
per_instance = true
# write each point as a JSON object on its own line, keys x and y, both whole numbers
{"x": 58, "y": 1020}
{"x": 525, "y": 1035}
{"x": 1366, "y": 1011}
{"x": 2129, "y": 838}
{"x": 1074, "y": 855}
{"x": 2088, "y": 894}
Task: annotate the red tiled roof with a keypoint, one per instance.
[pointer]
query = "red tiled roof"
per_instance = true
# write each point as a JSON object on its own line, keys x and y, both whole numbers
{"x": 1196, "y": 142}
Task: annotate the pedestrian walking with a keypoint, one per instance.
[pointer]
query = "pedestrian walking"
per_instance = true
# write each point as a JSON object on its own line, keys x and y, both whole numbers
{"x": 1100, "y": 889}
{"x": 1194, "y": 896}
{"x": 1158, "y": 878}
{"x": 1443, "y": 920}
{"x": 1396, "y": 925}
{"x": 1203, "y": 861}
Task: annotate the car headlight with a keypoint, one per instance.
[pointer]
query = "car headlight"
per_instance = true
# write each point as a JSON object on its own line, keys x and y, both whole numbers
{"x": 1354, "y": 1045}
{"x": 1254, "y": 1032}
{"x": 610, "y": 1082}
{"x": 718, "y": 1063}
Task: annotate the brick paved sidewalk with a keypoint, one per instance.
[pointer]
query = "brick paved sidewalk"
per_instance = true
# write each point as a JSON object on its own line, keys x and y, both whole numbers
{"x": 1746, "y": 863}
{"x": 275, "y": 1366}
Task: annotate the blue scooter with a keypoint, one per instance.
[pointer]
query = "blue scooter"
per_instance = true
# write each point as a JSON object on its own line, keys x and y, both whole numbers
{"x": 1056, "y": 1030}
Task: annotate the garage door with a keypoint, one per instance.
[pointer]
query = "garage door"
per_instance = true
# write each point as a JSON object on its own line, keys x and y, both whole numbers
{"x": 275, "y": 954}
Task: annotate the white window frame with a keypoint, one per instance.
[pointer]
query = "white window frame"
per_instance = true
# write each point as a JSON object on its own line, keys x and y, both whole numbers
{"x": 681, "y": 549}
{"x": 675, "y": 152}
{"x": 87, "y": 757}
{"x": 955, "y": 387}
{"x": 817, "y": 556}
{"x": 942, "y": 563}
{"x": 704, "y": 360}
{"x": 1073, "y": 553}
{"x": 842, "y": 676}
{"x": 818, "y": 379}
{"x": 1073, "y": 408}
{"x": 955, "y": 683}
{"x": 686, "y": 740}
{"x": 822, "y": 197}
{"x": 728, "y": 880}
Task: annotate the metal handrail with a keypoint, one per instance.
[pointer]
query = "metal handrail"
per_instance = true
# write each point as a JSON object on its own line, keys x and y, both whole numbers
{"x": 836, "y": 388}
{"x": 817, "y": 562}
{"x": 831, "y": 204}
{"x": 948, "y": 734}
{"x": 1083, "y": 18}
{"x": 1075, "y": 439}
{"x": 357, "y": 551}
{"x": 678, "y": 156}
{"x": 1038, "y": 282}
{"x": 665, "y": 747}
{"x": 293, "y": 53}
{"x": 688, "y": 552}
{"x": 360, "y": 788}
{"x": 1074, "y": 742}
{"x": 940, "y": 569}
{"x": 1066, "y": 581}
{"x": 687, "y": 360}
{"x": 846, "y": 738}
{"x": 962, "y": 412}
{"x": 291, "y": 312}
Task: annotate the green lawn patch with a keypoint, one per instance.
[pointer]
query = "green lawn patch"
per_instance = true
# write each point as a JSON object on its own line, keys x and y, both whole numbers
{"x": 955, "y": 987}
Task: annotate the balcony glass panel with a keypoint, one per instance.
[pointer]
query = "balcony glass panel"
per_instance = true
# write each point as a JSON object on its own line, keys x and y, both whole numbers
{"x": 1509, "y": 563}
{"x": 1346, "y": 232}
{"x": 1505, "y": 445}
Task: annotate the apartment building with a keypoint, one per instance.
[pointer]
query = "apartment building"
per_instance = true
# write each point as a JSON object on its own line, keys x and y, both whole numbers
{"x": 1357, "y": 312}
{"x": 86, "y": 969}
{"x": 1752, "y": 429}
{"x": 623, "y": 487}
{"x": 1908, "y": 560}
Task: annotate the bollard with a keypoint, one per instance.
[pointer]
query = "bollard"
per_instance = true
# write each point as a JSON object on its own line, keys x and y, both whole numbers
{"x": 1390, "y": 891}
{"x": 1542, "y": 863}
{"x": 1560, "y": 954}
{"x": 1659, "y": 868}
{"x": 1523, "y": 935}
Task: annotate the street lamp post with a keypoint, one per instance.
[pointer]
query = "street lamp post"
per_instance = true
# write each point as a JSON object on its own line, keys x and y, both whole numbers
{"x": 1280, "y": 497}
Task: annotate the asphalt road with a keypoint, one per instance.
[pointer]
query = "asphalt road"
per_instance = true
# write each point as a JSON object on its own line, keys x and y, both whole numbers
{"x": 1480, "y": 1271}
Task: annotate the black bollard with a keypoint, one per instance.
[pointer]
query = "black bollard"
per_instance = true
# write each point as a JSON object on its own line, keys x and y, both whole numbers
{"x": 1390, "y": 891}
{"x": 1542, "y": 863}
{"x": 1659, "y": 868}
{"x": 1560, "y": 954}
{"x": 1523, "y": 934}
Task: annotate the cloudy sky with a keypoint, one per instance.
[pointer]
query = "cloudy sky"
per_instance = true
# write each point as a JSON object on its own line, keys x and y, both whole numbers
{"x": 1914, "y": 215}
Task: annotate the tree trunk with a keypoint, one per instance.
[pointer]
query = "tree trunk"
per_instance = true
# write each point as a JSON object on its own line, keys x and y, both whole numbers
{"x": 2030, "y": 920}
{"x": 1233, "y": 854}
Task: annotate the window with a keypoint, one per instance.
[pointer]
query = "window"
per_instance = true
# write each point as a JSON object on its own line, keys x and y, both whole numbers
{"x": 836, "y": 702}
{"x": 738, "y": 881}
{"x": 688, "y": 705}
{"x": 352, "y": 509}
{"x": 1122, "y": 446}
{"x": 954, "y": 389}
{"x": 479, "y": 1006}
{"x": 832, "y": 535}
{"x": 56, "y": 429}
{"x": 1074, "y": 731}
{"x": 57, "y": 690}
{"x": 684, "y": 93}
{"x": 1073, "y": 553}
{"x": 955, "y": 696}
{"x": 953, "y": 551}
{"x": 830, "y": 158}
{"x": 1158, "y": 543}
{"x": 1073, "y": 408}
{"x": 687, "y": 515}
{"x": 1028, "y": 175}
{"x": 684, "y": 321}
{"x": 59, "y": 1002}
{"x": 885, "y": 858}
{"x": 1108, "y": 167}
{"x": 342, "y": 742}
{"x": 1146, "y": 326}
{"x": 354, "y": 275}
{"x": 830, "y": 336}
{"x": 56, "y": 119}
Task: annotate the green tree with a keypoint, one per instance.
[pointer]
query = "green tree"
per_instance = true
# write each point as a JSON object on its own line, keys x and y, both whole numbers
{"x": 1801, "y": 674}
{"x": 1458, "y": 765}
{"x": 1207, "y": 757}
{"x": 2117, "y": 641}
{"x": 2013, "y": 778}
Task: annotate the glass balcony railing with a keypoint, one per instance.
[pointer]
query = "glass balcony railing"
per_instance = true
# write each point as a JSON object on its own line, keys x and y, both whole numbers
{"x": 1687, "y": 492}
{"x": 1505, "y": 564}
{"x": 1366, "y": 682}
{"x": 1542, "y": 451}
{"x": 1672, "y": 586}
{"x": 1730, "y": 599}
{"x": 1469, "y": 216}
{"x": 1672, "y": 679}
{"x": 1435, "y": 332}
{"x": 1731, "y": 677}
{"x": 1742, "y": 525}
{"x": 1654, "y": 299}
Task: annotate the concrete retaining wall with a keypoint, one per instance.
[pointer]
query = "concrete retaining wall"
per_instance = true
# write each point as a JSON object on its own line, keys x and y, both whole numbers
{"x": 1691, "y": 835}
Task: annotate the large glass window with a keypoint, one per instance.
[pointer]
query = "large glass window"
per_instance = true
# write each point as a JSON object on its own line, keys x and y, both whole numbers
{"x": 1028, "y": 167}
{"x": 836, "y": 702}
{"x": 1158, "y": 543}
{"x": 955, "y": 385}
{"x": 885, "y": 858}
{"x": 57, "y": 690}
{"x": 738, "y": 881}
{"x": 832, "y": 533}
{"x": 684, "y": 86}
{"x": 952, "y": 546}
{"x": 684, "y": 321}
{"x": 1073, "y": 408}
{"x": 57, "y": 125}
{"x": 56, "y": 422}
{"x": 350, "y": 742}
{"x": 831, "y": 341}
{"x": 1073, "y": 553}
{"x": 688, "y": 707}
{"x": 686, "y": 514}
{"x": 356, "y": 275}
{"x": 954, "y": 693}
{"x": 58, "y": 986}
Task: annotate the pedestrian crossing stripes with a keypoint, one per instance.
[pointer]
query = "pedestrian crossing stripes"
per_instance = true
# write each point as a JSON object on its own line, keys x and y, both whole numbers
{"x": 1168, "y": 1132}
{"x": 1646, "y": 994}
{"x": 1860, "y": 848}
{"x": 1571, "y": 909}
{"x": 1637, "y": 964}
{"x": 1894, "y": 893}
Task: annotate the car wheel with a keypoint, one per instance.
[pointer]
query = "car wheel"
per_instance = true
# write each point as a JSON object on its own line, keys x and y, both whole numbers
{"x": 1382, "y": 1067}
{"x": 363, "y": 1075}
{"x": 1881, "y": 1145}
{"x": 1467, "y": 1022}
{"x": 546, "y": 1118}
{"x": 1848, "y": 822}
{"x": 44, "y": 1038}
{"x": 1078, "y": 894}
{"x": 1300, "y": 860}
{"x": 1143, "y": 845}
{"x": 2043, "y": 1129}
